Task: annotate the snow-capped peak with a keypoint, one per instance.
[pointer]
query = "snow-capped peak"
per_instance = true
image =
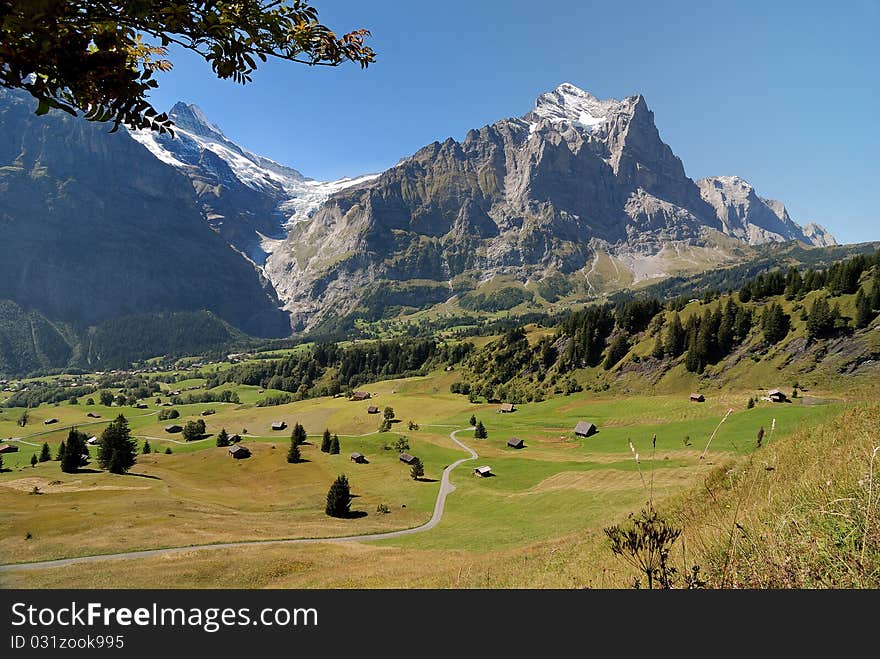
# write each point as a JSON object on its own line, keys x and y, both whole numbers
{"x": 571, "y": 104}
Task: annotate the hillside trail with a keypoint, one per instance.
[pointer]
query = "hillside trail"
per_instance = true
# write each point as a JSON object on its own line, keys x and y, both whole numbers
{"x": 446, "y": 488}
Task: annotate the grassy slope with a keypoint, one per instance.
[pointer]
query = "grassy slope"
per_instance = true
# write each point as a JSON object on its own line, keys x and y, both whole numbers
{"x": 558, "y": 492}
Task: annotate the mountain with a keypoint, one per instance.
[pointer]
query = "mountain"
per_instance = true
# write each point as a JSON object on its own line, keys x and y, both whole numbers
{"x": 93, "y": 227}
{"x": 248, "y": 199}
{"x": 580, "y": 192}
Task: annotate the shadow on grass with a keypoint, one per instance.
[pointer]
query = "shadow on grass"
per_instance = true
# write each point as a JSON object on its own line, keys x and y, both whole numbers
{"x": 426, "y": 480}
{"x": 151, "y": 477}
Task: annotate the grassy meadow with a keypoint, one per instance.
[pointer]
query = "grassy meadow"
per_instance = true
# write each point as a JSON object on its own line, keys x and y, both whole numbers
{"x": 558, "y": 490}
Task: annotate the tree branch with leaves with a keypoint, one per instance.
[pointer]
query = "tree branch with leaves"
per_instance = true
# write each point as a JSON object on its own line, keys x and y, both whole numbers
{"x": 99, "y": 57}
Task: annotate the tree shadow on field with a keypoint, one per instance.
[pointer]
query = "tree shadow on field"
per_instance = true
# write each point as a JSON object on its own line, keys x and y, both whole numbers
{"x": 150, "y": 476}
{"x": 88, "y": 471}
{"x": 426, "y": 480}
{"x": 355, "y": 514}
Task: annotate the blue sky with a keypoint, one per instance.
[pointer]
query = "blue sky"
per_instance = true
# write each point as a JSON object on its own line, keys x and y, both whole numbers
{"x": 784, "y": 94}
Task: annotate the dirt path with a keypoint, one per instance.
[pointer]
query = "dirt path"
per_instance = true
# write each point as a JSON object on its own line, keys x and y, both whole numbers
{"x": 446, "y": 488}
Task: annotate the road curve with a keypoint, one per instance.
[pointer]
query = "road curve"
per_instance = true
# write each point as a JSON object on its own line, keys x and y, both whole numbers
{"x": 446, "y": 488}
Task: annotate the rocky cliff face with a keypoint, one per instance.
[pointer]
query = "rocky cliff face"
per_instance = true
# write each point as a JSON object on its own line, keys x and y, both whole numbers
{"x": 94, "y": 227}
{"x": 524, "y": 197}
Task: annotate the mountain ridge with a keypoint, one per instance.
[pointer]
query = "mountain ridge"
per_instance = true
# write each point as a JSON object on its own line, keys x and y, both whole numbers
{"x": 574, "y": 178}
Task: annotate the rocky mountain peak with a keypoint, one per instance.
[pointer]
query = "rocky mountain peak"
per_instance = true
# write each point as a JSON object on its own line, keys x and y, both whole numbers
{"x": 571, "y": 104}
{"x": 191, "y": 118}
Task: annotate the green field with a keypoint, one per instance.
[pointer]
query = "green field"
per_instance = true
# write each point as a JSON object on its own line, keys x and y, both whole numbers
{"x": 559, "y": 486}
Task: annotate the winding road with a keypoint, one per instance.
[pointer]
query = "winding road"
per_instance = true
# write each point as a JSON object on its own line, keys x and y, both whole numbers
{"x": 446, "y": 488}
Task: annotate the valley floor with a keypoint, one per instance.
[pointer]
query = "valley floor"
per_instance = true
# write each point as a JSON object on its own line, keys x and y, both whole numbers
{"x": 536, "y": 523}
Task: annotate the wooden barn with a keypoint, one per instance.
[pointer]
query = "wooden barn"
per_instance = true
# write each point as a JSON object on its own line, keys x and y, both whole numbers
{"x": 279, "y": 425}
{"x": 585, "y": 429}
{"x": 507, "y": 408}
{"x": 516, "y": 442}
{"x": 239, "y": 452}
{"x": 698, "y": 398}
{"x": 173, "y": 429}
{"x": 360, "y": 395}
{"x": 406, "y": 458}
{"x": 372, "y": 409}
{"x": 777, "y": 396}
{"x": 483, "y": 471}
{"x": 50, "y": 421}
{"x": 8, "y": 448}
{"x": 358, "y": 457}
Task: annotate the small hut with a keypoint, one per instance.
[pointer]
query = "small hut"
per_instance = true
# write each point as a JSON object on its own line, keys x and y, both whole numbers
{"x": 8, "y": 448}
{"x": 698, "y": 398}
{"x": 585, "y": 429}
{"x": 234, "y": 439}
{"x": 207, "y": 412}
{"x": 360, "y": 395}
{"x": 372, "y": 409}
{"x": 507, "y": 408}
{"x": 239, "y": 452}
{"x": 279, "y": 425}
{"x": 483, "y": 471}
{"x": 50, "y": 421}
{"x": 173, "y": 429}
{"x": 777, "y": 396}
{"x": 92, "y": 440}
{"x": 142, "y": 406}
{"x": 92, "y": 415}
{"x": 516, "y": 442}
{"x": 358, "y": 457}
{"x": 406, "y": 458}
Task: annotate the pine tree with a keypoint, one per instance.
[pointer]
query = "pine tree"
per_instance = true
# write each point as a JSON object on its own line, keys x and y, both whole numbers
{"x": 339, "y": 498}
{"x": 875, "y": 288}
{"x": 751, "y": 403}
{"x": 147, "y": 448}
{"x": 775, "y": 323}
{"x": 293, "y": 455}
{"x": 864, "y": 314}
{"x": 658, "y": 351}
{"x": 34, "y": 460}
{"x": 617, "y": 351}
{"x": 62, "y": 449}
{"x": 480, "y": 431}
{"x": 473, "y": 420}
{"x": 74, "y": 452}
{"x": 223, "y": 438}
{"x": 45, "y": 454}
{"x": 675, "y": 337}
{"x": 417, "y": 470}
{"x": 334, "y": 445}
{"x": 118, "y": 450}
{"x": 299, "y": 434}
{"x": 325, "y": 442}
{"x": 760, "y": 438}
{"x": 168, "y": 450}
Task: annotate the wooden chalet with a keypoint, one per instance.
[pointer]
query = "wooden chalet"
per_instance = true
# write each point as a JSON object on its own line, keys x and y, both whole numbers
{"x": 516, "y": 442}
{"x": 279, "y": 425}
{"x": 483, "y": 471}
{"x": 360, "y": 395}
{"x": 372, "y": 409}
{"x": 406, "y": 458}
{"x": 173, "y": 428}
{"x": 777, "y": 396}
{"x": 239, "y": 452}
{"x": 8, "y": 448}
{"x": 585, "y": 429}
{"x": 507, "y": 408}
{"x": 698, "y": 398}
{"x": 358, "y": 457}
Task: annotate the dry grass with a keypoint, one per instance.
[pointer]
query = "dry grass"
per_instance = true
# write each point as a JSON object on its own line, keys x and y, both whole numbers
{"x": 798, "y": 514}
